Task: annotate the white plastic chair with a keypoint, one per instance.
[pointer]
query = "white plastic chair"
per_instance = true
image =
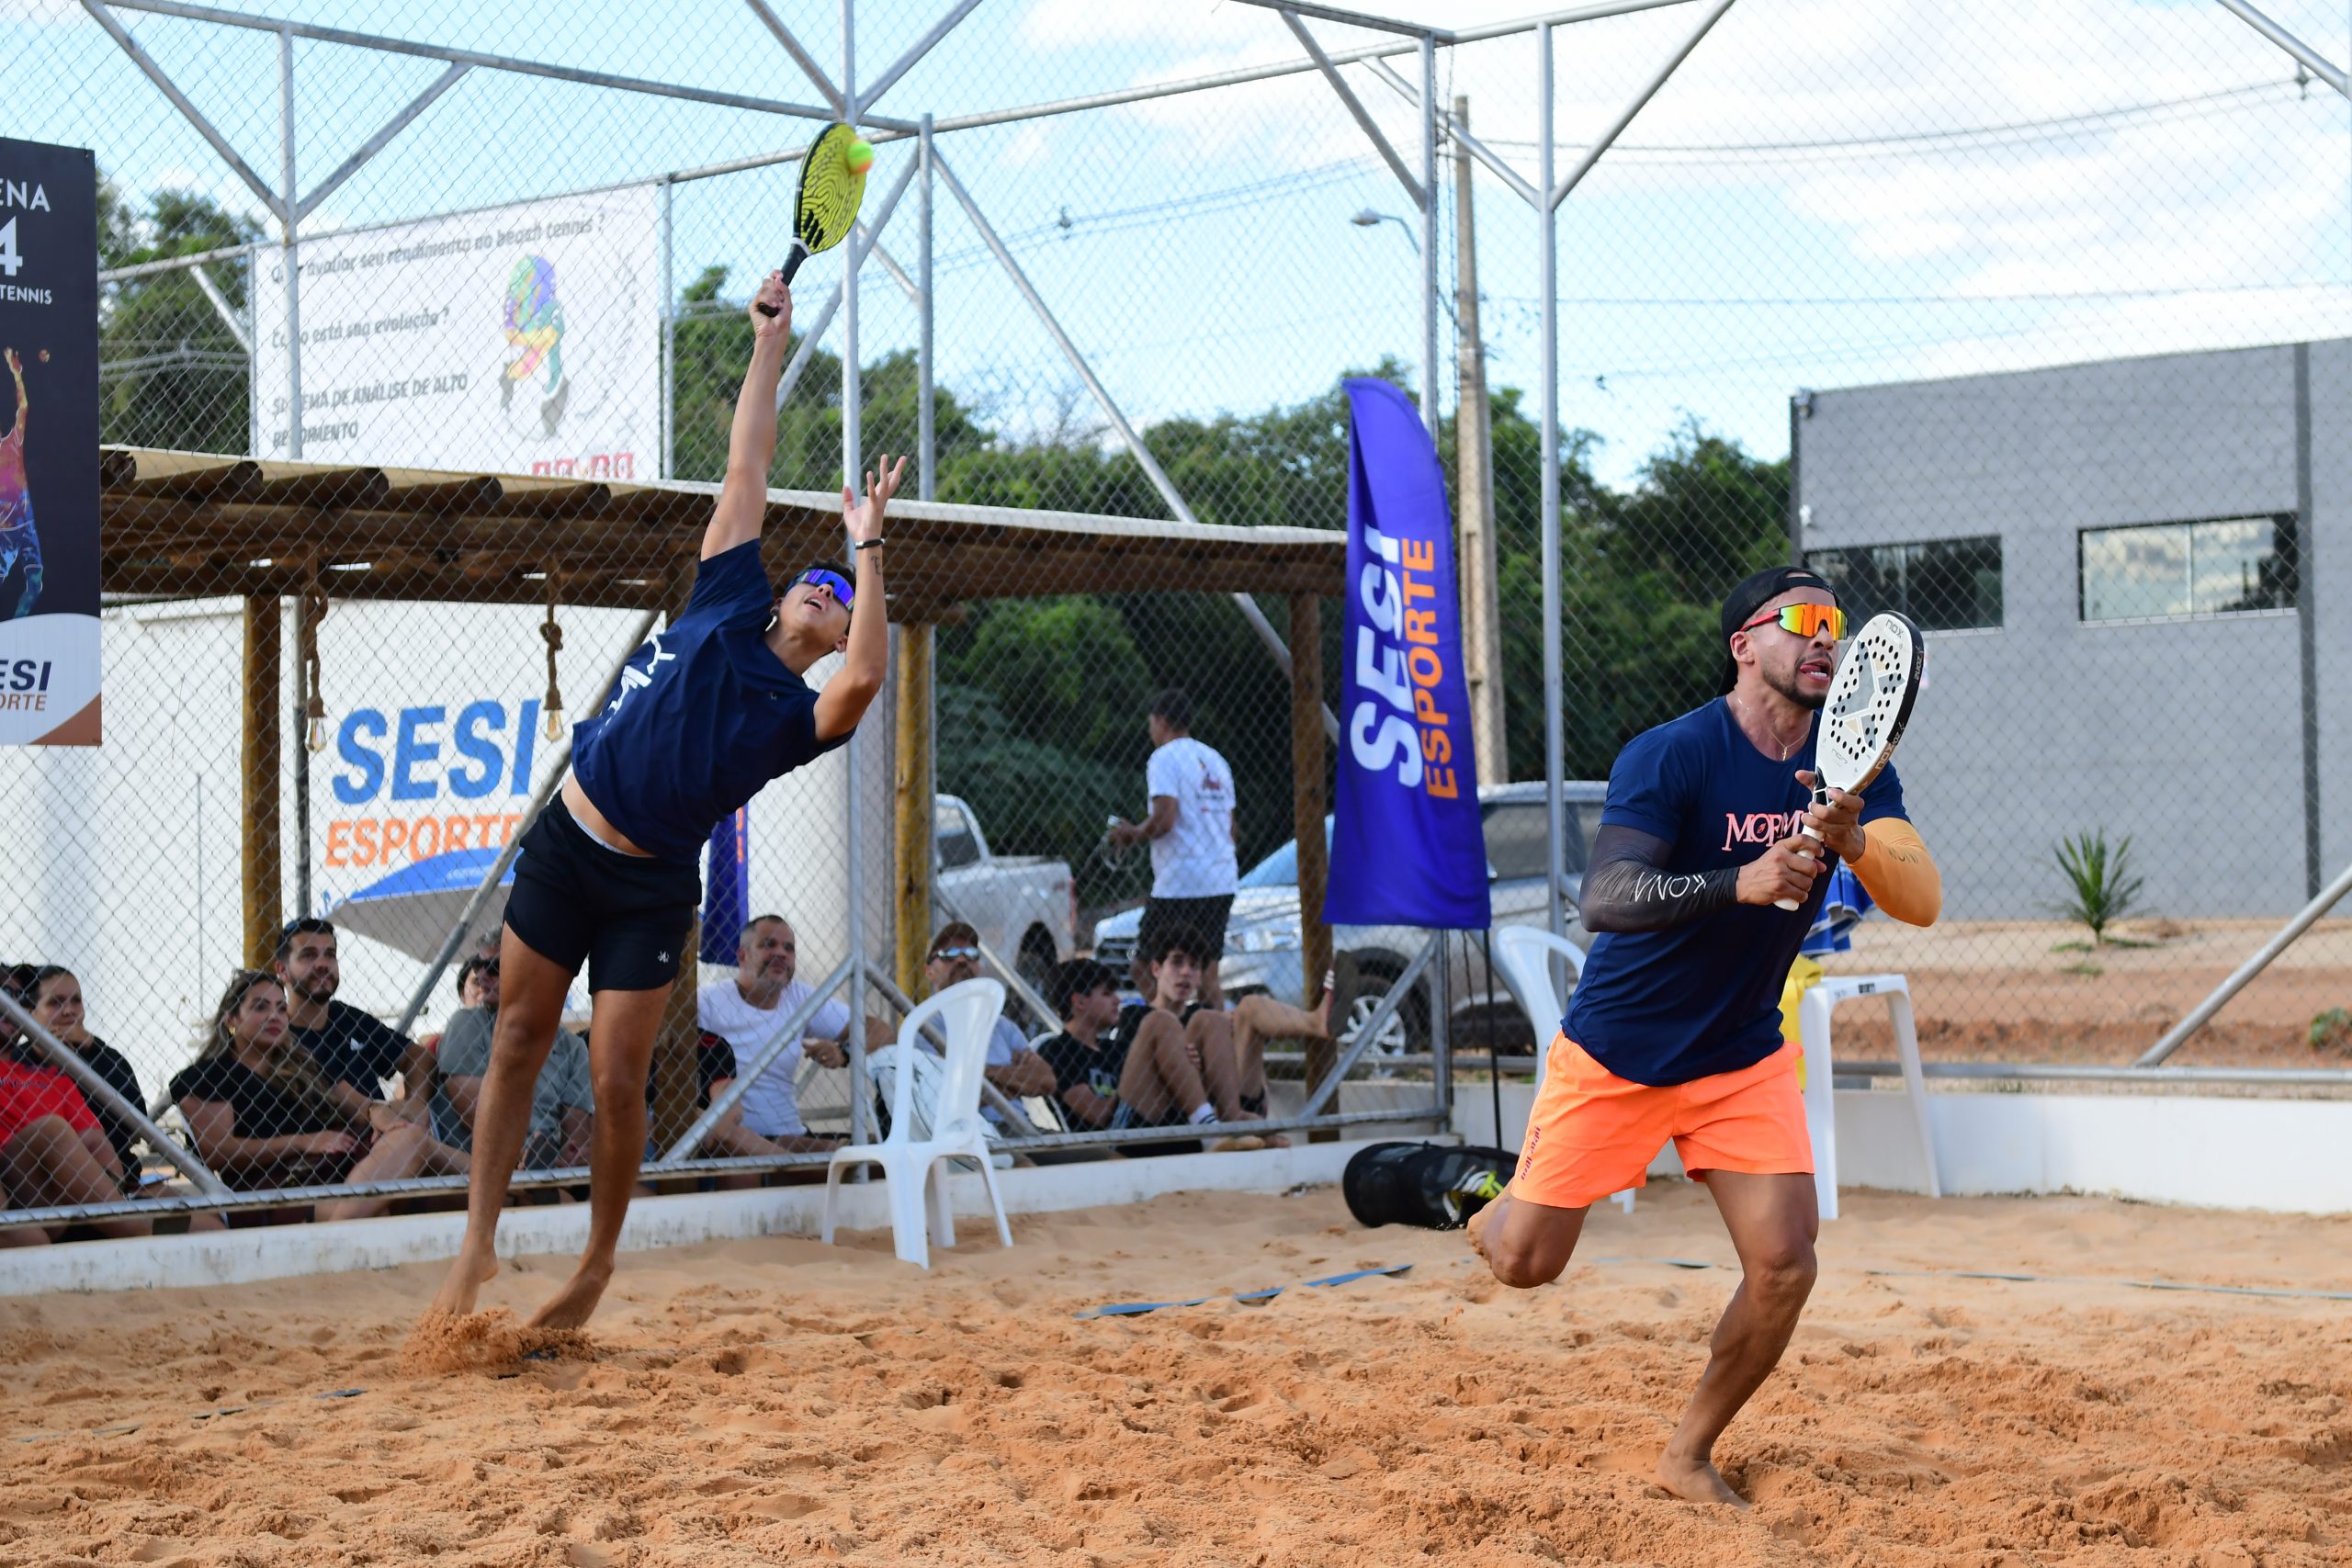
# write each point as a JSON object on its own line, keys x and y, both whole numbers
{"x": 1820, "y": 1114}
{"x": 911, "y": 1158}
{"x": 1525, "y": 954}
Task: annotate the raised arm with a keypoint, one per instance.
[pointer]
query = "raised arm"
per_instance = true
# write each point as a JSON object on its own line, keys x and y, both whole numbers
{"x": 867, "y": 659}
{"x": 751, "y": 440}
{"x": 16, "y": 369}
{"x": 1629, "y": 888}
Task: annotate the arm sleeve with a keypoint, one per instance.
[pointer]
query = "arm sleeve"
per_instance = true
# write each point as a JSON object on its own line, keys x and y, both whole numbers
{"x": 1899, "y": 873}
{"x": 1626, "y": 890}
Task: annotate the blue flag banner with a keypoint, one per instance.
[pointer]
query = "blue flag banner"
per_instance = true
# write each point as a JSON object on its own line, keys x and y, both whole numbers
{"x": 1407, "y": 847}
{"x": 727, "y": 888}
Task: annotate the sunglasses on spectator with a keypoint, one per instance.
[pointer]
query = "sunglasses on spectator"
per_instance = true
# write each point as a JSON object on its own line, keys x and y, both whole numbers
{"x": 834, "y": 582}
{"x": 1805, "y": 620}
{"x": 951, "y": 953}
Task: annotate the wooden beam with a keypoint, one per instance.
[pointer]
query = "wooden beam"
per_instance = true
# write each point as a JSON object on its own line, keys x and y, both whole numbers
{"x": 1306, "y": 811}
{"x": 912, "y": 800}
{"x": 259, "y": 862}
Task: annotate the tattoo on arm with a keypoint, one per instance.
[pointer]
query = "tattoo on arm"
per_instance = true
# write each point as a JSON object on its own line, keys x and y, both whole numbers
{"x": 1628, "y": 890}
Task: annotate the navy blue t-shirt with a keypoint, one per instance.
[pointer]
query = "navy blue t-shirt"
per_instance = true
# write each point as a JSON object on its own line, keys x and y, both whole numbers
{"x": 705, "y": 714}
{"x": 1701, "y": 998}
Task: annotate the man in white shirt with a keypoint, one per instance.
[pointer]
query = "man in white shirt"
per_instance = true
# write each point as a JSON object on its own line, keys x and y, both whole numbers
{"x": 1193, "y": 871}
{"x": 745, "y": 1012}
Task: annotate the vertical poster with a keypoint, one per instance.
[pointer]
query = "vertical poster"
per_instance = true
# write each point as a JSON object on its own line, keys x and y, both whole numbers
{"x": 513, "y": 339}
{"x": 48, "y": 445}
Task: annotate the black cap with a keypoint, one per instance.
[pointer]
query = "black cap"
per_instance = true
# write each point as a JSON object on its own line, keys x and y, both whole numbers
{"x": 1754, "y": 591}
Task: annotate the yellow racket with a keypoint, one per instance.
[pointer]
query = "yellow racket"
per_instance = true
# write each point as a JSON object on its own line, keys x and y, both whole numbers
{"x": 832, "y": 186}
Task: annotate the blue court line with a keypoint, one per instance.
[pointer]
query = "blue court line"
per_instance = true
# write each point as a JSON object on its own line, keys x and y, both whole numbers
{"x": 1134, "y": 1309}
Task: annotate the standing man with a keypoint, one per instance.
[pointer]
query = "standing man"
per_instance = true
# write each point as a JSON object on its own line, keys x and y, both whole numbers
{"x": 353, "y": 1048}
{"x": 705, "y": 714}
{"x": 18, "y": 540}
{"x": 744, "y": 1012}
{"x": 1674, "y": 1029}
{"x": 1194, "y": 872}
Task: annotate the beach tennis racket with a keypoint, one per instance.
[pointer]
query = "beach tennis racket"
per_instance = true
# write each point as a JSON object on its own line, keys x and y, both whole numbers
{"x": 832, "y": 185}
{"x": 1870, "y": 702}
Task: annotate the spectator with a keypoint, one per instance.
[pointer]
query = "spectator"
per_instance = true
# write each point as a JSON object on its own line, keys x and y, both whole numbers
{"x": 744, "y": 1014}
{"x": 54, "y": 996}
{"x": 1084, "y": 1057}
{"x": 1014, "y": 1068}
{"x": 1193, "y": 871}
{"x": 52, "y": 1150}
{"x": 263, "y": 1114}
{"x": 562, "y": 1104}
{"x": 351, "y": 1047}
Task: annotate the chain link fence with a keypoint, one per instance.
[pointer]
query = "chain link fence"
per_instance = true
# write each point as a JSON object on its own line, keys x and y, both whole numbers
{"x": 2010, "y": 349}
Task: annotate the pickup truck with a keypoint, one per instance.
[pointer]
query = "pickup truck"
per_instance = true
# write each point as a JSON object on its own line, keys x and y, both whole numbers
{"x": 1263, "y": 938}
{"x": 1025, "y": 907}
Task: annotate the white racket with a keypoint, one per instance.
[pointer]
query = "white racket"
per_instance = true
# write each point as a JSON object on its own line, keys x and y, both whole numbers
{"x": 1870, "y": 702}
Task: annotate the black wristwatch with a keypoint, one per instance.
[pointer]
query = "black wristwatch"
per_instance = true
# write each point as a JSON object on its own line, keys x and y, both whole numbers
{"x": 868, "y": 544}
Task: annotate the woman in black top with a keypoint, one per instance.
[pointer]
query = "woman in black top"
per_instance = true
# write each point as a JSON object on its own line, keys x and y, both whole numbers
{"x": 261, "y": 1114}
{"x": 55, "y": 999}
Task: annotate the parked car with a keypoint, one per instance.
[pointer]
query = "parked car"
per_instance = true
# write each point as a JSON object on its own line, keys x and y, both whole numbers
{"x": 1025, "y": 907}
{"x": 1262, "y": 937}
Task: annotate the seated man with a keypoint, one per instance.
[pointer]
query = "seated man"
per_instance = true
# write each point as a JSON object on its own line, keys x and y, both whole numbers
{"x": 745, "y": 1013}
{"x": 353, "y": 1048}
{"x": 1186, "y": 1062}
{"x": 1014, "y": 1068}
{"x": 1084, "y": 1056}
{"x": 563, "y": 1104}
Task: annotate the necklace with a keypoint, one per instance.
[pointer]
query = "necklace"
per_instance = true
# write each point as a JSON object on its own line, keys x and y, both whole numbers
{"x": 1785, "y": 751}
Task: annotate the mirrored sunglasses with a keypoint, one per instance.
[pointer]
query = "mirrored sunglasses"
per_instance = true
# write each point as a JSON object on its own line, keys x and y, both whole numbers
{"x": 843, "y": 592}
{"x": 951, "y": 953}
{"x": 1805, "y": 620}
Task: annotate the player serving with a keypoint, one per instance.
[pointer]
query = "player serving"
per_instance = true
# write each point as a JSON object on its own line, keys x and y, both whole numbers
{"x": 1674, "y": 1029}
{"x": 705, "y": 714}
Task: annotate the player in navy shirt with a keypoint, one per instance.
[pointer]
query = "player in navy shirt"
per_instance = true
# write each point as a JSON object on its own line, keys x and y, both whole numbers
{"x": 1674, "y": 1029}
{"x": 710, "y": 710}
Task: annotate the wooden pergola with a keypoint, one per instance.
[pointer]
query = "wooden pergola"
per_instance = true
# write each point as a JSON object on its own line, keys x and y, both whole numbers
{"x": 178, "y": 524}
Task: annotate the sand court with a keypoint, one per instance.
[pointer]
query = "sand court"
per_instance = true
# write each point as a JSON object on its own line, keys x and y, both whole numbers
{"x": 784, "y": 1402}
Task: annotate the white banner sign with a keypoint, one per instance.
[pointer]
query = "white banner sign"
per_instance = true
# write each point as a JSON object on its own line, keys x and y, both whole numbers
{"x": 520, "y": 340}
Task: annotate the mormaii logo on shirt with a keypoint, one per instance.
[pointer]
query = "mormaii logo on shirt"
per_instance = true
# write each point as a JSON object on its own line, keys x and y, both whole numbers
{"x": 1759, "y": 826}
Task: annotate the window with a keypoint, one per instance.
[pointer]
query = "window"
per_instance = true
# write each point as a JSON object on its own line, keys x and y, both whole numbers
{"x": 1944, "y": 584}
{"x": 958, "y": 845}
{"x": 2172, "y": 571}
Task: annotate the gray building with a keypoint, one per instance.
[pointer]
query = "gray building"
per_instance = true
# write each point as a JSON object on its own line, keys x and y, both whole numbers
{"x": 2135, "y": 577}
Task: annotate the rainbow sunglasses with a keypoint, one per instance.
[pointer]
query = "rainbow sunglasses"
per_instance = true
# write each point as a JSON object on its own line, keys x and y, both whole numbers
{"x": 844, "y": 592}
{"x": 1805, "y": 620}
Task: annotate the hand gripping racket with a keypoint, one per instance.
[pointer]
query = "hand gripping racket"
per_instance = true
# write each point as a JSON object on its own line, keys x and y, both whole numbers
{"x": 826, "y": 206}
{"x": 1870, "y": 702}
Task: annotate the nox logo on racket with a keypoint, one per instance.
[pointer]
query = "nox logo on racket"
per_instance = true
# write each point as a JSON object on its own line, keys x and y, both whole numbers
{"x": 1759, "y": 826}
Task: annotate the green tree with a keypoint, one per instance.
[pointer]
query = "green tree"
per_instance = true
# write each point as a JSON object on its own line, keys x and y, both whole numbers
{"x": 170, "y": 372}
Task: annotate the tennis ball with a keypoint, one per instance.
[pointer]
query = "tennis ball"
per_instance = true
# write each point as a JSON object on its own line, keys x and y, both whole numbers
{"x": 44, "y": 357}
{"x": 860, "y": 156}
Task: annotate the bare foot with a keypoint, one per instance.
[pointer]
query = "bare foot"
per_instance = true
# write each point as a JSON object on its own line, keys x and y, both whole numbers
{"x": 571, "y": 1306}
{"x": 467, "y": 1276}
{"x": 1697, "y": 1480}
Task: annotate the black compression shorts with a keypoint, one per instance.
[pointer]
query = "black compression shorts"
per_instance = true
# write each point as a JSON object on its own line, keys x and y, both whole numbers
{"x": 576, "y": 902}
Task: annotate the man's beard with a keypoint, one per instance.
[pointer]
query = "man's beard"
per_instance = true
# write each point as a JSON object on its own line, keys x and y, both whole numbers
{"x": 303, "y": 989}
{"x": 1787, "y": 687}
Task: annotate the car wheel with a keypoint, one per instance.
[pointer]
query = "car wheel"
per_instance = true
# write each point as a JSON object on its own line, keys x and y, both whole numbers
{"x": 1407, "y": 1030}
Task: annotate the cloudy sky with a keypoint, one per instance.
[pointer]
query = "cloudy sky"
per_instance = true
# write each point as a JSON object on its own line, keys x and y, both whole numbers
{"x": 1827, "y": 194}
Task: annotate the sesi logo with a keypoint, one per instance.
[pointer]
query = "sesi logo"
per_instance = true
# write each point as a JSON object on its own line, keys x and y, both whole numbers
{"x": 27, "y": 675}
{"x": 423, "y": 753}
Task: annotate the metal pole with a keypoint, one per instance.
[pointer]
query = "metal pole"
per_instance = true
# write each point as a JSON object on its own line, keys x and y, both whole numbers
{"x": 298, "y": 711}
{"x": 926, "y": 435}
{"x": 1547, "y": 445}
{"x": 107, "y": 1098}
{"x": 2248, "y": 970}
{"x": 539, "y": 798}
{"x": 2313, "y": 60}
{"x": 1398, "y": 991}
{"x": 852, "y": 468}
{"x": 1017, "y": 1121}
{"x": 1429, "y": 235}
{"x": 789, "y": 1030}
{"x": 669, "y": 346}
{"x": 2307, "y": 621}
{"x": 287, "y": 221}
{"x": 1559, "y": 193}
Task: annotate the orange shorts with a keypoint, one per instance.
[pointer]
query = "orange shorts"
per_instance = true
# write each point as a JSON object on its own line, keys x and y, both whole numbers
{"x": 1592, "y": 1132}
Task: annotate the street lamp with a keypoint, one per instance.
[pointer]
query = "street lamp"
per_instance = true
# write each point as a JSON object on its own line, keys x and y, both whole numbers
{"x": 1368, "y": 219}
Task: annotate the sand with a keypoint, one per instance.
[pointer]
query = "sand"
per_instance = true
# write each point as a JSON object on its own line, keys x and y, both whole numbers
{"x": 782, "y": 1402}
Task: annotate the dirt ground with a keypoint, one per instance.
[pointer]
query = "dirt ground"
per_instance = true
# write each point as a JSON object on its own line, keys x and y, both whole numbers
{"x": 2035, "y": 991}
{"x": 781, "y": 1402}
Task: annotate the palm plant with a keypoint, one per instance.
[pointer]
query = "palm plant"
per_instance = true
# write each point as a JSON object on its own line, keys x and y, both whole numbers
{"x": 2099, "y": 879}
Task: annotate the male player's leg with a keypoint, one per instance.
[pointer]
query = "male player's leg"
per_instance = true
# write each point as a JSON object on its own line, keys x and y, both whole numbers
{"x": 621, "y": 1030}
{"x": 1162, "y": 1076}
{"x": 1257, "y": 1018}
{"x": 1773, "y": 1223}
{"x": 1588, "y": 1133}
{"x": 531, "y": 993}
{"x": 1526, "y": 1243}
